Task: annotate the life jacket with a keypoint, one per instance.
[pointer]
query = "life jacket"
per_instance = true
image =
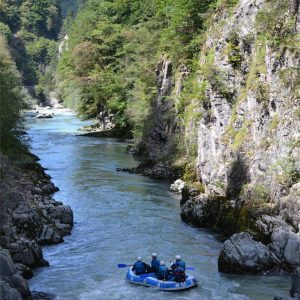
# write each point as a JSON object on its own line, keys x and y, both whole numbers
{"x": 180, "y": 263}
{"x": 139, "y": 268}
{"x": 179, "y": 274}
{"x": 155, "y": 263}
{"x": 162, "y": 272}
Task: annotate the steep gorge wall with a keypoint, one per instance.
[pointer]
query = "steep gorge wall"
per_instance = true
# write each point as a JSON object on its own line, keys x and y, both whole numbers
{"x": 248, "y": 140}
{"x": 246, "y": 118}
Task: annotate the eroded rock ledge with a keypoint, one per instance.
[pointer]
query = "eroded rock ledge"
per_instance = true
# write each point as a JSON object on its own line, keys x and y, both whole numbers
{"x": 271, "y": 238}
{"x": 29, "y": 218}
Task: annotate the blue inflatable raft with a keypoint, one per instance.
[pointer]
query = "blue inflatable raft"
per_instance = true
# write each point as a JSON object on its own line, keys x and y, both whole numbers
{"x": 152, "y": 281}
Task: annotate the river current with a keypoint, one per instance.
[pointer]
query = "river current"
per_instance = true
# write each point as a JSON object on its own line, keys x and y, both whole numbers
{"x": 119, "y": 216}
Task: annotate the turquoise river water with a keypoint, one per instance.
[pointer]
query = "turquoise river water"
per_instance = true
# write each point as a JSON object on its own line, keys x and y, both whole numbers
{"x": 119, "y": 216}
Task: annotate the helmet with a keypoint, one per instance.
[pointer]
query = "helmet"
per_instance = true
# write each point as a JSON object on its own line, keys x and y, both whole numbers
{"x": 162, "y": 263}
{"x": 178, "y": 256}
{"x": 154, "y": 254}
{"x": 139, "y": 258}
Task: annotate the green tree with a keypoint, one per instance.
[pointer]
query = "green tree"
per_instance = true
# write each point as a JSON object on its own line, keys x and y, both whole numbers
{"x": 11, "y": 96}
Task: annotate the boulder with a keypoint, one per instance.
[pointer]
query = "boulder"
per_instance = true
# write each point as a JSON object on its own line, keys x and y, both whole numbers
{"x": 44, "y": 115}
{"x": 242, "y": 255}
{"x": 24, "y": 271}
{"x": 16, "y": 286}
{"x": 62, "y": 213}
{"x": 7, "y": 266}
{"x": 42, "y": 296}
{"x": 27, "y": 252}
{"x": 49, "y": 235}
{"x": 8, "y": 293}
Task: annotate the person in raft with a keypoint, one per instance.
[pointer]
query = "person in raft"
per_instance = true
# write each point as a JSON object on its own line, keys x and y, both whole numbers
{"x": 140, "y": 267}
{"x": 155, "y": 263}
{"x": 163, "y": 272}
{"x": 178, "y": 270}
{"x": 178, "y": 263}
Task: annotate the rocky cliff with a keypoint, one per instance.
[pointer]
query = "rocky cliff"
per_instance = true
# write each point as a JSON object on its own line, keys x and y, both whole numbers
{"x": 245, "y": 113}
{"x": 248, "y": 136}
{"x": 29, "y": 218}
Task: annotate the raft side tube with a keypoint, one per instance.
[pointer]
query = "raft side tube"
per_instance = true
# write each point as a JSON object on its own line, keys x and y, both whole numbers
{"x": 152, "y": 281}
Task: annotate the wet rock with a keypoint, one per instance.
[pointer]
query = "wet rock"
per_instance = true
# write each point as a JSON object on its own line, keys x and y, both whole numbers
{"x": 49, "y": 236}
{"x": 156, "y": 171}
{"x": 127, "y": 170}
{"x": 24, "y": 271}
{"x": 150, "y": 169}
{"x": 62, "y": 213}
{"x": 242, "y": 255}
{"x": 12, "y": 285}
{"x": 27, "y": 252}
{"x": 9, "y": 293}
{"x": 42, "y": 296}
{"x": 49, "y": 189}
{"x": 44, "y": 115}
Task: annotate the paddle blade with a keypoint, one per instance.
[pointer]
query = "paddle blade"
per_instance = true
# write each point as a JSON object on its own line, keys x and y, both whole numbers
{"x": 123, "y": 265}
{"x": 190, "y": 268}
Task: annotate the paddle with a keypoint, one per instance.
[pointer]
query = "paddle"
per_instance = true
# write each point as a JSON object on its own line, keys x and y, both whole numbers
{"x": 124, "y": 265}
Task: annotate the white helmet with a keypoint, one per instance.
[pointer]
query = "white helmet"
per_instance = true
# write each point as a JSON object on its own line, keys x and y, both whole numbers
{"x": 154, "y": 254}
{"x": 139, "y": 258}
{"x": 178, "y": 256}
{"x": 162, "y": 263}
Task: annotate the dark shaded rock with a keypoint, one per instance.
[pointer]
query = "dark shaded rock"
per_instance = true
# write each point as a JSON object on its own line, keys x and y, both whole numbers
{"x": 44, "y": 115}
{"x": 151, "y": 169}
{"x": 242, "y": 255}
{"x": 49, "y": 188}
{"x": 8, "y": 293}
{"x": 20, "y": 284}
{"x": 127, "y": 170}
{"x": 42, "y": 296}
{"x": 8, "y": 274}
{"x": 49, "y": 235}
{"x": 295, "y": 287}
{"x": 8, "y": 268}
{"x": 29, "y": 217}
{"x": 24, "y": 271}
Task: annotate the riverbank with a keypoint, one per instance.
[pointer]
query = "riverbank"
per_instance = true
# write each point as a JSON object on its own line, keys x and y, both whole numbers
{"x": 30, "y": 218}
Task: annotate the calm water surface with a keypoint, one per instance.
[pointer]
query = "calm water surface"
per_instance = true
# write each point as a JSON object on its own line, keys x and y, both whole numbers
{"x": 118, "y": 217}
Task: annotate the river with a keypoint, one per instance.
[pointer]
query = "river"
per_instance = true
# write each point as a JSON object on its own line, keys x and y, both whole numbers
{"x": 119, "y": 216}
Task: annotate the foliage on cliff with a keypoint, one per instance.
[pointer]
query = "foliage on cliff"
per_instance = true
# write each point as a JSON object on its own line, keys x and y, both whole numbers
{"x": 114, "y": 48}
{"x": 11, "y": 97}
{"x": 32, "y": 27}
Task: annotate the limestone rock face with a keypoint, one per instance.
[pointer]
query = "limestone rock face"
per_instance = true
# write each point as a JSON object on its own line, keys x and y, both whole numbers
{"x": 164, "y": 117}
{"x": 248, "y": 138}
